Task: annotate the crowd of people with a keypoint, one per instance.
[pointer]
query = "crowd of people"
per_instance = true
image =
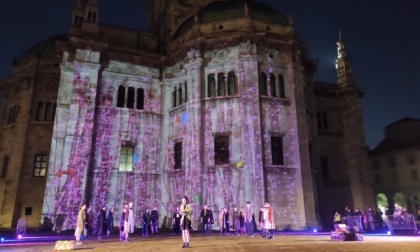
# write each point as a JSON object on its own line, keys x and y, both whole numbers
{"x": 241, "y": 221}
{"x": 370, "y": 220}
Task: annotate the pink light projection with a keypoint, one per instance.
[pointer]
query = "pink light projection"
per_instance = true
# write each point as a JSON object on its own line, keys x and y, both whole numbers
{"x": 247, "y": 118}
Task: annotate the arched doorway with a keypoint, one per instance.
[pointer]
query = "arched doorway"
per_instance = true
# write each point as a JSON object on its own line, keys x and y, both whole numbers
{"x": 400, "y": 201}
{"x": 382, "y": 202}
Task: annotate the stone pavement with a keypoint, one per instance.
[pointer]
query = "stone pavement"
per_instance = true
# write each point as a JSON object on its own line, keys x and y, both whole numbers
{"x": 295, "y": 243}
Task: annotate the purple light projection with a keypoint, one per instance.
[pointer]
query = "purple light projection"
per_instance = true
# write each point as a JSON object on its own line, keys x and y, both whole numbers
{"x": 69, "y": 179}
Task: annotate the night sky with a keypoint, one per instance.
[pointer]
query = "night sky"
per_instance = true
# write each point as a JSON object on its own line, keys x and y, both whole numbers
{"x": 381, "y": 37}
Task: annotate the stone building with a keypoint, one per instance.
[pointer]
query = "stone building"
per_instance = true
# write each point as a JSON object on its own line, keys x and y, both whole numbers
{"x": 216, "y": 101}
{"x": 395, "y": 166}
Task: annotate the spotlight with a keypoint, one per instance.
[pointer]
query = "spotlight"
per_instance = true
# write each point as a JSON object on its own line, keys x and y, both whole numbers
{"x": 19, "y": 236}
{"x": 315, "y": 230}
{"x": 1, "y": 239}
{"x": 389, "y": 232}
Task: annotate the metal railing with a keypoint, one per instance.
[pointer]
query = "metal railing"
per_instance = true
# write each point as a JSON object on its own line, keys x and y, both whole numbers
{"x": 401, "y": 222}
{"x": 354, "y": 222}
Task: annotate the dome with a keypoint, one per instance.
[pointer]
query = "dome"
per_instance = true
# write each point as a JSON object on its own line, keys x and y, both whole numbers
{"x": 43, "y": 50}
{"x": 224, "y": 10}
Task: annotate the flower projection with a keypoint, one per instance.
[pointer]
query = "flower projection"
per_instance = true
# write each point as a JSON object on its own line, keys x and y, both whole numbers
{"x": 91, "y": 131}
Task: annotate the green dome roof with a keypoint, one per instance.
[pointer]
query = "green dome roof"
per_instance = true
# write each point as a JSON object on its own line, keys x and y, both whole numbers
{"x": 43, "y": 50}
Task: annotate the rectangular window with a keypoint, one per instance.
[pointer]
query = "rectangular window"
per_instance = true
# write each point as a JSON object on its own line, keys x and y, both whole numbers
{"x": 221, "y": 150}
{"x": 325, "y": 168}
{"x": 322, "y": 121}
{"x": 414, "y": 177}
{"x": 4, "y": 167}
{"x": 41, "y": 162}
{"x": 178, "y": 155}
{"x": 277, "y": 150}
{"x": 126, "y": 159}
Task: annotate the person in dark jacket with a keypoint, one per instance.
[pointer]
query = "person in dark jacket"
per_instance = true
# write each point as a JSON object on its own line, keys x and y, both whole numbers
{"x": 100, "y": 228}
{"x": 176, "y": 222}
{"x": 146, "y": 221}
{"x": 154, "y": 218}
{"x": 110, "y": 222}
{"x": 206, "y": 217}
{"x": 225, "y": 221}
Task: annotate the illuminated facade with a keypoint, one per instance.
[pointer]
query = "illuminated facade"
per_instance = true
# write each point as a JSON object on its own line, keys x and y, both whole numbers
{"x": 217, "y": 104}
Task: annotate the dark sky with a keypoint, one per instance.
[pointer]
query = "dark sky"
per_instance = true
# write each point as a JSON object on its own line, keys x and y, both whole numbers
{"x": 381, "y": 37}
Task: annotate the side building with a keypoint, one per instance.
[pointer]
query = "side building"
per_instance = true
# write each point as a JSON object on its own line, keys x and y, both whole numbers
{"x": 395, "y": 166}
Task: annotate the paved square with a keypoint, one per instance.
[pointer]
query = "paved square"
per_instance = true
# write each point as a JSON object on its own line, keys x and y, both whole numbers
{"x": 241, "y": 243}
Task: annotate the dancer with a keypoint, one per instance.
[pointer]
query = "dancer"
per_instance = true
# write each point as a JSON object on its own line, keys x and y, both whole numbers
{"x": 100, "y": 227}
{"x": 129, "y": 221}
{"x": 122, "y": 219}
{"x": 80, "y": 226}
{"x": 269, "y": 224}
{"x": 248, "y": 219}
{"x": 146, "y": 221}
{"x": 176, "y": 222}
{"x": 206, "y": 219}
{"x": 110, "y": 222}
{"x": 154, "y": 218}
{"x": 186, "y": 213}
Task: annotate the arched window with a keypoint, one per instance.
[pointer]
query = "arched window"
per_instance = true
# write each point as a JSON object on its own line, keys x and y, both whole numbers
{"x": 185, "y": 92}
{"x": 140, "y": 99}
{"x": 48, "y": 111}
{"x": 54, "y": 110}
{"x": 121, "y": 97}
{"x": 40, "y": 111}
{"x": 273, "y": 85}
{"x": 130, "y": 97}
{"x": 174, "y": 98}
{"x": 263, "y": 84}
{"x": 211, "y": 84}
{"x": 231, "y": 83}
{"x": 282, "y": 92}
{"x": 179, "y": 98}
{"x": 221, "y": 84}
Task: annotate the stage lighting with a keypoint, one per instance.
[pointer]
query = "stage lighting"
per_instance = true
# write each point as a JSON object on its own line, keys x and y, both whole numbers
{"x": 315, "y": 230}
{"x": 19, "y": 236}
{"x": 1, "y": 239}
{"x": 389, "y": 232}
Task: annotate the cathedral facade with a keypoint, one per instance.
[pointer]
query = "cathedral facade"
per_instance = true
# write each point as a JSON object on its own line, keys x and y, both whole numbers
{"x": 215, "y": 101}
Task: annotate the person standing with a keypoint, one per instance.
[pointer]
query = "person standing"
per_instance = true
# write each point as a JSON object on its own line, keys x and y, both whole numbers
{"x": 242, "y": 220}
{"x": 186, "y": 213}
{"x": 221, "y": 221}
{"x": 80, "y": 226}
{"x": 176, "y": 222}
{"x": 206, "y": 219}
{"x": 225, "y": 221}
{"x": 88, "y": 222}
{"x": 129, "y": 221}
{"x": 146, "y": 222}
{"x": 110, "y": 222}
{"x": 235, "y": 221}
{"x": 154, "y": 217}
{"x": 270, "y": 221}
{"x": 369, "y": 219}
{"x": 337, "y": 218}
{"x": 122, "y": 219}
{"x": 248, "y": 219}
{"x": 100, "y": 228}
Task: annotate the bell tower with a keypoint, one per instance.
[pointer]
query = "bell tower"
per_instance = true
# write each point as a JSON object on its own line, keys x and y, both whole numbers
{"x": 343, "y": 66}
{"x": 86, "y": 15}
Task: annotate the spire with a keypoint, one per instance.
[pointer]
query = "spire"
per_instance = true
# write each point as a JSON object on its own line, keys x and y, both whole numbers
{"x": 343, "y": 64}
